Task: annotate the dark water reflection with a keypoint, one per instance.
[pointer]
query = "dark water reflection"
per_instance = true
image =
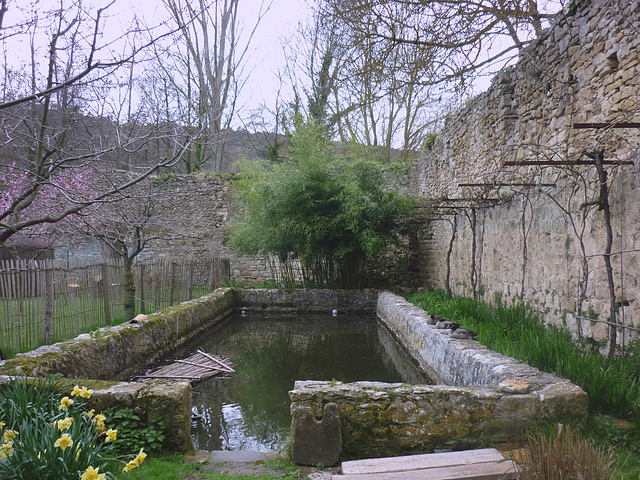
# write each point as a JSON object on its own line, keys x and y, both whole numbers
{"x": 250, "y": 409}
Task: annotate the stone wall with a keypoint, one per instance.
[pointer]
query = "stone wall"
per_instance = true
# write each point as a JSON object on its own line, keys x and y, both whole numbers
{"x": 534, "y": 231}
{"x": 197, "y": 211}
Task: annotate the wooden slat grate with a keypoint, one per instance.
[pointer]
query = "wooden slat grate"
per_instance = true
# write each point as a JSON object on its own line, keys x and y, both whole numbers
{"x": 197, "y": 367}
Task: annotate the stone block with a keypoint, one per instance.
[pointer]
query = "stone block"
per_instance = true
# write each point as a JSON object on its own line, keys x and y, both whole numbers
{"x": 170, "y": 401}
{"x": 315, "y": 441}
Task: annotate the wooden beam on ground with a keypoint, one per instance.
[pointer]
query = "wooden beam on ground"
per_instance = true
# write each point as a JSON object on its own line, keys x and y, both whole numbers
{"x": 482, "y": 464}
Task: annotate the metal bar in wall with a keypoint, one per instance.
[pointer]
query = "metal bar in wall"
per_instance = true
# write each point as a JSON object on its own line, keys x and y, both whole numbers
{"x": 564, "y": 163}
{"x": 601, "y": 125}
{"x": 506, "y": 184}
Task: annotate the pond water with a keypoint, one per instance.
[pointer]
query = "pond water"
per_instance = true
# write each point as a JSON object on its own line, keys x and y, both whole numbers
{"x": 249, "y": 410}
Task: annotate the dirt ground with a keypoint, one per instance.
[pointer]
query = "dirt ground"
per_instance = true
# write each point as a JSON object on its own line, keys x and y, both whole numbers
{"x": 253, "y": 465}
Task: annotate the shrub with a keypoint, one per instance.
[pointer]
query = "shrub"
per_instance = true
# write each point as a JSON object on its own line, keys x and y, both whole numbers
{"x": 564, "y": 455}
{"x": 133, "y": 432}
{"x": 330, "y": 213}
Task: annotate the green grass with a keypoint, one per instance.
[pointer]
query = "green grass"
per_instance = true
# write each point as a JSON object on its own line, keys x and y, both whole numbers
{"x": 173, "y": 467}
{"x": 517, "y": 331}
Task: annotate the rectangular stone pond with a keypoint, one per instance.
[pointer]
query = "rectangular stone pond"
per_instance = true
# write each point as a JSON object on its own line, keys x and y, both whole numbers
{"x": 471, "y": 406}
{"x": 250, "y": 409}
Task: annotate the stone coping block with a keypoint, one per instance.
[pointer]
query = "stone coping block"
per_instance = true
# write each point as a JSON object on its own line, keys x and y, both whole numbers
{"x": 389, "y": 419}
{"x": 170, "y": 401}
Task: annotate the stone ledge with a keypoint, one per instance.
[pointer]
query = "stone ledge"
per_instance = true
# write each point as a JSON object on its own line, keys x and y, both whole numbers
{"x": 462, "y": 362}
{"x": 120, "y": 351}
{"x": 307, "y": 300}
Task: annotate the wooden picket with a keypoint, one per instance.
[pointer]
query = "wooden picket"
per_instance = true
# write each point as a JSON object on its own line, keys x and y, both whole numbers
{"x": 42, "y": 302}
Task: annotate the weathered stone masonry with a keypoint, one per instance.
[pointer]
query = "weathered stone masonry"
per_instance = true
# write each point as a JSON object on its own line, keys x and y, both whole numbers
{"x": 584, "y": 68}
{"x": 198, "y": 207}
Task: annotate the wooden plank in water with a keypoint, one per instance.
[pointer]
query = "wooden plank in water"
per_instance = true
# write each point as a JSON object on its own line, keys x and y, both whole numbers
{"x": 479, "y": 471}
{"x": 414, "y": 462}
{"x": 224, "y": 366}
{"x": 199, "y": 365}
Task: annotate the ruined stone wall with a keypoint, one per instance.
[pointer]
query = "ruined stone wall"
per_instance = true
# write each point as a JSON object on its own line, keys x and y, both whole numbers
{"x": 197, "y": 210}
{"x": 195, "y": 225}
{"x": 535, "y": 231}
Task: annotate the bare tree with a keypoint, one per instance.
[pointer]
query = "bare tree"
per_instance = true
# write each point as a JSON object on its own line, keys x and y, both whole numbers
{"x": 364, "y": 94}
{"x": 205, "y": 70}
{"x": 453, "y": 36}
{"x": 61, "y": 118}
{"x": 388, "y": 64}
{"x": 126, "y": 228}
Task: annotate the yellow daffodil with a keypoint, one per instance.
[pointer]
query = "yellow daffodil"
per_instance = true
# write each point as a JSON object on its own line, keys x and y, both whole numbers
{"x": 86, "y": 392}
{"x": 99, "y": 421}
{"x": 92, "y": 474}
{"x": 6, "y": 450}
{"x": 9, "y": 435}
{"x": 2, "y": 424}
{"x": 76, "y": 391}
{"x": 111, "y": 435}
{"x": 140, "y": 458}
{"x": 90, "y": 413}
{"x": 129, "y": 466}
{"x": 64, "y": 424}
{"x": 65, "y": 402}
{"x": 64, "y": 441}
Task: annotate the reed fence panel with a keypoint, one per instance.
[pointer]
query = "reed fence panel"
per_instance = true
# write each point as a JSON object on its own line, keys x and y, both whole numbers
{"x": 42, "y": 302}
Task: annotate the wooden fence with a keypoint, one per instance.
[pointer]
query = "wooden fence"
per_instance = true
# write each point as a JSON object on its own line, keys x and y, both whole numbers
{"x": 43, "y": 302}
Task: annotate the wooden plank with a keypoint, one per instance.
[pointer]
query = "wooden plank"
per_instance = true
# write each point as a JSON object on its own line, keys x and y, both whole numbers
{"x": 479, "y": 471}
{"x": 199, "y": 365}
{"x": 224, "y": 367}
{"x": 179, "y": 377}
{"x": 106, "y": 285}
{"x": 142, "y": 308}
{"x": 415, "y": 462}
{"x": 49, "y": 303}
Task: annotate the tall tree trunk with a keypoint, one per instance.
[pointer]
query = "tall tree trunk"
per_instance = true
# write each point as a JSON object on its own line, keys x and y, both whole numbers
{"x": 603, "y": 202}
{"x": 129, "y": 290}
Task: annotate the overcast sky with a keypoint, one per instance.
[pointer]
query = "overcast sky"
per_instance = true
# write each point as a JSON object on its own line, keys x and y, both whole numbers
{"x": 266, "y": 57}
{"x": 266, "y": 50}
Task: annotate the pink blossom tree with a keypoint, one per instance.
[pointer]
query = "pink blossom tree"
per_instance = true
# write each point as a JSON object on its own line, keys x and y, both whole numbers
{"x": 64, "y": 123}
